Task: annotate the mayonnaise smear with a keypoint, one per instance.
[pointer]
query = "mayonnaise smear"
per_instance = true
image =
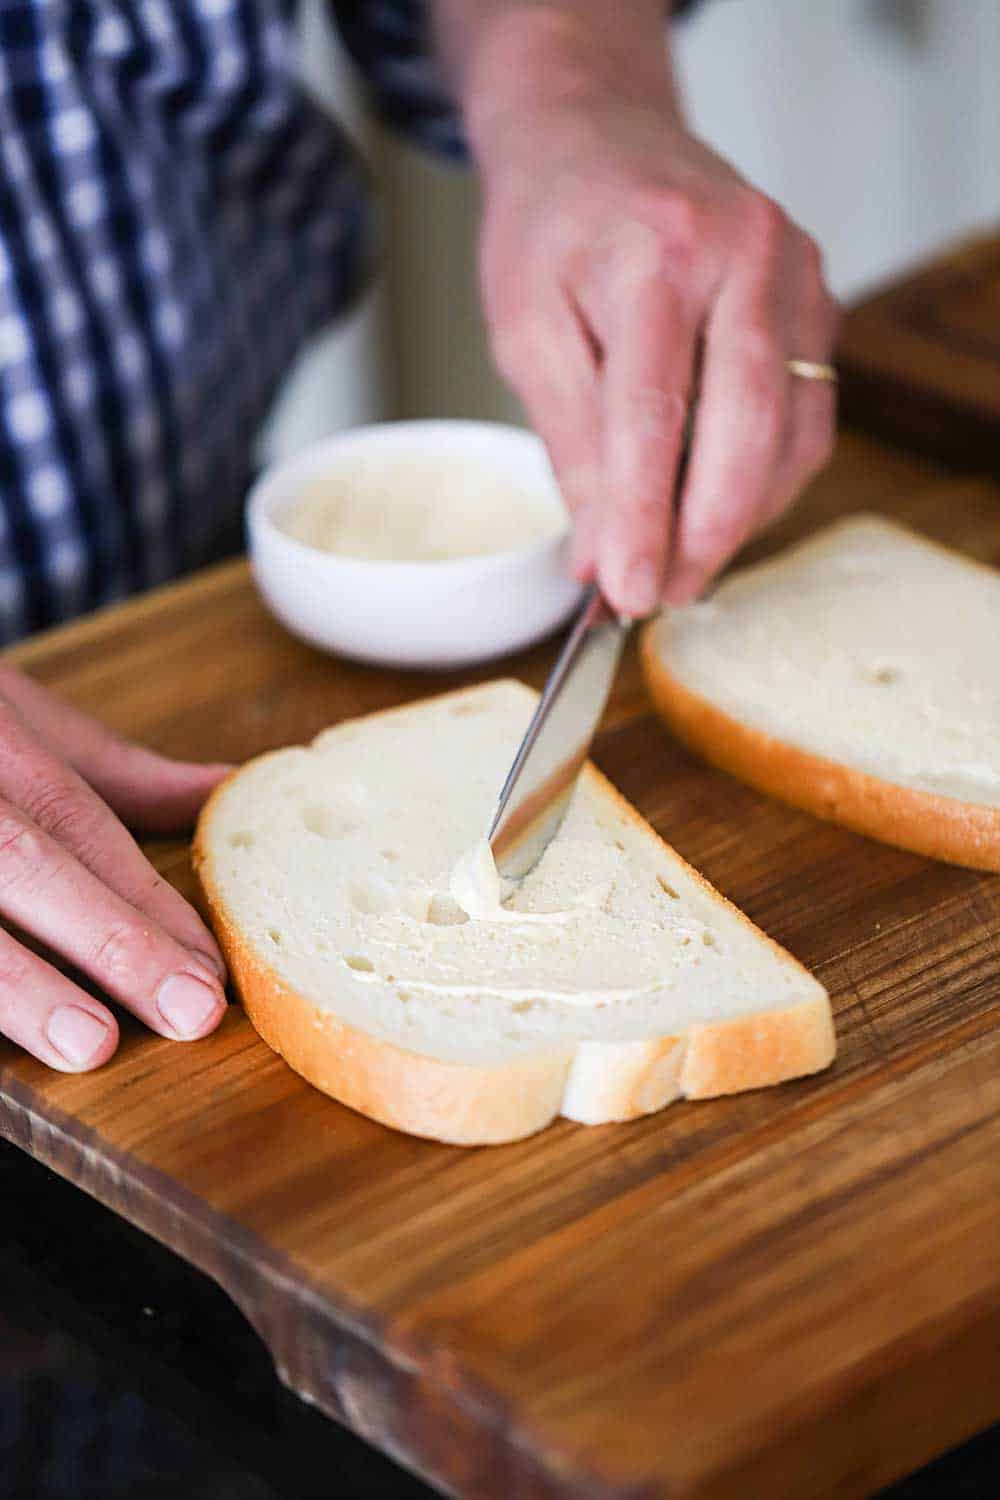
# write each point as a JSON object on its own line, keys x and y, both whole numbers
{"x": 477, "y": 886}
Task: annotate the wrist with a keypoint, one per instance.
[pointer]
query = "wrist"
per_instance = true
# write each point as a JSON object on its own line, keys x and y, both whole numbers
{"x": 529, "y": 61}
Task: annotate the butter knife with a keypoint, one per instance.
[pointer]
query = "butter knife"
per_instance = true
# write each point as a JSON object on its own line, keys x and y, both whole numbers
{"x": 536, "y": 793}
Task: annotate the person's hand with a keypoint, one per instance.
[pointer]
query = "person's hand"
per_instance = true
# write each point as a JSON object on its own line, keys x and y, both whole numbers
{"x": 75, "y": 881}
{"x": 622, "y": 262}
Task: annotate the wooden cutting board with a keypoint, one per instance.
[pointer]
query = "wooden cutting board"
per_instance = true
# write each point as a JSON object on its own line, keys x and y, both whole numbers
{"x": 920, "y": 359}
{"x": 789, "y": 1293}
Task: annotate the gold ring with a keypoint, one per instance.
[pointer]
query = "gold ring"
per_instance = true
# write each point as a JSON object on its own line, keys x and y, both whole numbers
{"x": 809, "y": 369}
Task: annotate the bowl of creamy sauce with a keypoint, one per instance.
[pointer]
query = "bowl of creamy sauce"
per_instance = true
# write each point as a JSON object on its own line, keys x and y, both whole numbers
{"x": 420, "y": 544}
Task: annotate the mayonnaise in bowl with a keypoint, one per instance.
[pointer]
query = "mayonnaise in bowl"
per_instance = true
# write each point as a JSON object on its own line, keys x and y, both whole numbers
{"x": 423, "y": 544}
{"x": 394, "y": 507}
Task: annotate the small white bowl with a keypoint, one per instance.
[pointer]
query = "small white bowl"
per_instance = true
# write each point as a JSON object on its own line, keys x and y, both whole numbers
{"x": 403, "y": 613}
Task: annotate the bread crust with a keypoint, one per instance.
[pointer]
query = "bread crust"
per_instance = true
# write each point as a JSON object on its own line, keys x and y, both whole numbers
{"x": 462, "y": 1104}
{"x": 939, "y": 827}
{"x": 616, "y": 1081}
{"x": 457, "y": 1103}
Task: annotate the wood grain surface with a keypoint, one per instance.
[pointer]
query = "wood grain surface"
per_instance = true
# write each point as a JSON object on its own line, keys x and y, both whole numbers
{"x": 794, "y": 1292}
{"x": 920, "y": 360}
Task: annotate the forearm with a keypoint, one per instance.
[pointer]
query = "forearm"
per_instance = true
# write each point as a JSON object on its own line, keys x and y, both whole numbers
{"x": 509, "y": 57}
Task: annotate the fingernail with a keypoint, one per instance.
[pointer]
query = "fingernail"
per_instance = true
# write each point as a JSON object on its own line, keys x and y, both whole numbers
{"x": 76, "y": 1034}
{"x": 642, "y": 587}
{"x": 187, "y": 1004}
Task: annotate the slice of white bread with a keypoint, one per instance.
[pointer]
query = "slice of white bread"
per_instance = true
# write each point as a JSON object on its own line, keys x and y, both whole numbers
{"x": 616, "y": 980}
{"x": 856, "y": 675}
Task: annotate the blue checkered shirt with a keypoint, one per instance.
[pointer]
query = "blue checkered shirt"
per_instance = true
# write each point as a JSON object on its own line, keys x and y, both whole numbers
{"x": 175, "y": 217}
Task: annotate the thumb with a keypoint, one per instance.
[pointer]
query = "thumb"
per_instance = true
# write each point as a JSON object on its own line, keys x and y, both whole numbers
{"x": 150, "y": 793}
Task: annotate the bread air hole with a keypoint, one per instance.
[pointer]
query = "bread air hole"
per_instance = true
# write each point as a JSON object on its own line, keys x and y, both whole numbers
{"x": 327, "y": 822}
{"x": 275, "y": 936}
{"x": 468, "y": 710}
{"x": 241, "y": 841}
{"x": 883, "y": 673}
{"x": 709, "y": 939}
{"x": 444, "y": 911}
{"x": 667, "y": 890}
{"x": 359, "y": 963}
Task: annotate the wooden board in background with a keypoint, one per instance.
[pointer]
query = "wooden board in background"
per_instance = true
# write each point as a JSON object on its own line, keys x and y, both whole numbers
{"x": 789, "y": 1293}
{"x": 920, "y": 360}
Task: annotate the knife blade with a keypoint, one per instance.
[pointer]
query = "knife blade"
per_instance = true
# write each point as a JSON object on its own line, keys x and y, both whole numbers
{"x": 536, "y": 793}
{"x": 539, "y": 784}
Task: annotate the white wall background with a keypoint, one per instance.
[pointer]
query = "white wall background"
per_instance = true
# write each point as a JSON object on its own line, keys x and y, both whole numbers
{"x": 875, "y": 122}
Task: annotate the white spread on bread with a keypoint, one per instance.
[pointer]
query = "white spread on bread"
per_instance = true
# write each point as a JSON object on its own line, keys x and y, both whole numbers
{"x": 865, "y": 645}
{"x": 478, "y": 889}
{"x": 420, "y": 508}
{"x": 474, "y": 883}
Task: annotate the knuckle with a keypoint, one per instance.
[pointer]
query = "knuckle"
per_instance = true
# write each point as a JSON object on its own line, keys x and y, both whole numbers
{"x": 22, "y": 851}
{"x": 14, "y": 976}
{"x": 639, "y": 253}
{"x": 118, "y": 951}
{"x": 659, "y": 414}
{"x": 765, "y": 225}
{"x": 681, "y": 226}
{"x": 62, "y": 813}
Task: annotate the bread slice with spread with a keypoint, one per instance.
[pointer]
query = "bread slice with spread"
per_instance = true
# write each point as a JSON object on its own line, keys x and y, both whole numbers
{"x": 613, "y": 980}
